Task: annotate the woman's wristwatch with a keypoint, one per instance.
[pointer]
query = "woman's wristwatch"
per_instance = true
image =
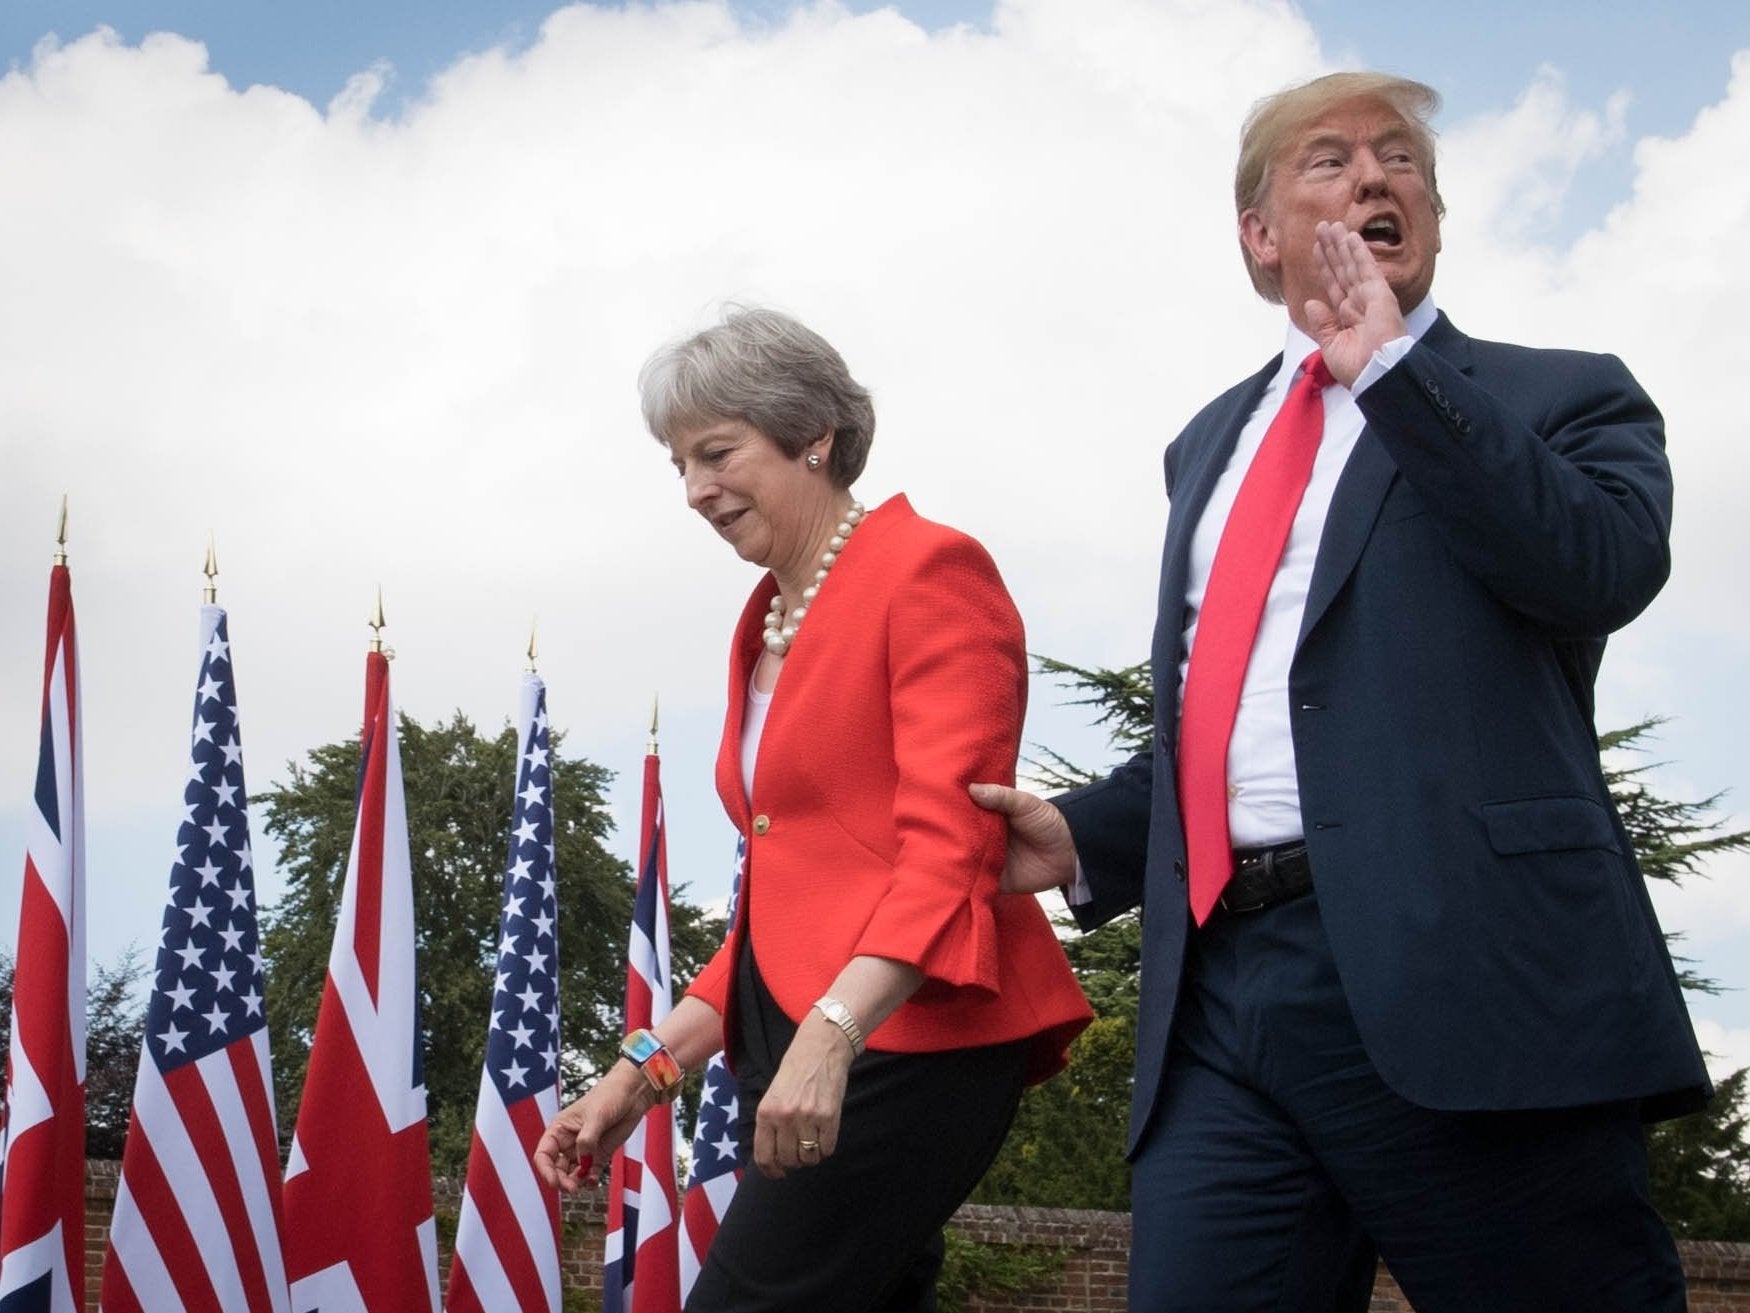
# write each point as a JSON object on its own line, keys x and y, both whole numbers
{"x": 651, "y": 1056}
{"x": 840, "y": 1016}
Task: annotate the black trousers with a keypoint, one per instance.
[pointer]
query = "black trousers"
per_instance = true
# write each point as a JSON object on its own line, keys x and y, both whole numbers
{"x": 862, "y": 1232}
{"x": 1280, "y": 1162}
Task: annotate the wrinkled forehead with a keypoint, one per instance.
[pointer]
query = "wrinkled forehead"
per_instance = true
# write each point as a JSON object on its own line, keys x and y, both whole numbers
{"x": 1358, "y": 119}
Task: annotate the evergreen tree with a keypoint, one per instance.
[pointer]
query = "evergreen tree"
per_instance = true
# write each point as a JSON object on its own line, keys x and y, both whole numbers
{"x": 115, "y": 1015}
{"x": 459, "y": 786}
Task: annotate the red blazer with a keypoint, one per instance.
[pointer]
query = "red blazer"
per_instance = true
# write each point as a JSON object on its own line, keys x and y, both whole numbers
{"x": 906, "y": 682}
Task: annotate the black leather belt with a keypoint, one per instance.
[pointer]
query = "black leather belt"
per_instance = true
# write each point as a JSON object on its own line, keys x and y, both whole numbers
{"x": 1265, "y": 877}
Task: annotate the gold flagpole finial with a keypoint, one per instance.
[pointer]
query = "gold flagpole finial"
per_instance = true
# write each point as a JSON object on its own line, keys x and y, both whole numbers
{"x": 211, "y": 570}
{"x": 377, "y": 622}
{"x": 655, "y": 700}
{"x": 61, "y": 534}
{"x": 534, "y": 649}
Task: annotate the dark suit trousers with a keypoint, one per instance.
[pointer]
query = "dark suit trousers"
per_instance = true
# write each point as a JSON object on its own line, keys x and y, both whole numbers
{"x": 862, "y": 1232}
{"x": 1279, "y": 1162}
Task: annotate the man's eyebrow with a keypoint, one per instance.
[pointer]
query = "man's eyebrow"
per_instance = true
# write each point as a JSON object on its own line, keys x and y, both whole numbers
{"x": 1395, "y": 135}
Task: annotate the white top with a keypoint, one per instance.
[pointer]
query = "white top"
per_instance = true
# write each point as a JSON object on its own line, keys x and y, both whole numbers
{"x": 753, "y": 724}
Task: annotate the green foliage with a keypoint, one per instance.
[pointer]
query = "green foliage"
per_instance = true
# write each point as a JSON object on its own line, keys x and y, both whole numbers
{"x": 1671, "y": 838}
{"x": 1123, "y": 701}
{"x": 113, "y": 1025}
{"x": 460, "y": 787}
{"x": 972, "y": 1267}
{"x": 1700, "y": 1167}
{"x": 1066, "y": 1148}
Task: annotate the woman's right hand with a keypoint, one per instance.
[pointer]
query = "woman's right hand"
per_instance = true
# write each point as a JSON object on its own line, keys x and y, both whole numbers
{"x": 1042, "y": 854}
{"x": 589, "y": 1130}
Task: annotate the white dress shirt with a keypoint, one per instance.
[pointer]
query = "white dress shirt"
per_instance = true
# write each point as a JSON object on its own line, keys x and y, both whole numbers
{"x": 1263, "y": 791}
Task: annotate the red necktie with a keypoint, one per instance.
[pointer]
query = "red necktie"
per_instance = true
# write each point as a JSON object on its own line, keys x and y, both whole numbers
{"x": 1233, "y": 602}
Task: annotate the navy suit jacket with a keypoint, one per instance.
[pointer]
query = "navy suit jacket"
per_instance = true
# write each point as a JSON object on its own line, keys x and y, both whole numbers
{"x": 1503, "y": 510}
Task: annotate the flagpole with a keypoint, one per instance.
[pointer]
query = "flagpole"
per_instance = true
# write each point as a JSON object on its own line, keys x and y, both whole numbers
{"x": 641, "y": 1256}
{"x": 508, "y": 1234}
{"x": 208, "y": 966}
{"x": 358, "y": 1157}
{"x": 42, "y": 1143}
{"x": 378, "y": 624}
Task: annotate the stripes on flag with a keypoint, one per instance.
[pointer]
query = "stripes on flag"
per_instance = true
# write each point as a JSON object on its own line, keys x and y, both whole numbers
{"x": 42, "y": 1140}
{"x": 507, "y": 1238}
{"x": 641, "y": 1258}
{"x": 198, "y": 1213}
{"x": 360, "y": 1235}
{"x": 716, "y": 1140}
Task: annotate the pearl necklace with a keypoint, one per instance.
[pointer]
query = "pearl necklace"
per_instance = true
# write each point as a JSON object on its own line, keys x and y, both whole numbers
{"x": 781, "y": 632}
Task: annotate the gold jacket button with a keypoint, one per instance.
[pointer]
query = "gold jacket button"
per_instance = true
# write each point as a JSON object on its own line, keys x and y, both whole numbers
{"x": 761, "y": 823}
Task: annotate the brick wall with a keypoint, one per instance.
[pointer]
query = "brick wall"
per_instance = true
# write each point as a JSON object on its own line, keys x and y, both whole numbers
{"x": 1095, "y": 1247}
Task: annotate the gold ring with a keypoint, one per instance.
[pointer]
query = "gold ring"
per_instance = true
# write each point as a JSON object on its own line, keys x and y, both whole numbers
{"x": 808, "y": 1144}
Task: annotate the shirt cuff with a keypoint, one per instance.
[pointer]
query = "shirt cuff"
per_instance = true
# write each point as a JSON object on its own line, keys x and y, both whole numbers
{"x": 1078, "y": 893}
{"x": 1383, "y": 359}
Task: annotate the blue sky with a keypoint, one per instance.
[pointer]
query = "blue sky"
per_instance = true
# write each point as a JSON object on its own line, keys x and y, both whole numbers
{"x": 211, "y": 291}
{"x": 1670, "y": 58}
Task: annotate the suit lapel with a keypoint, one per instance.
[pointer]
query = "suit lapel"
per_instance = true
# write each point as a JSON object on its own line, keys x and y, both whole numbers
{"x": 1202, "y": 457}
{"x": 1360, "y": 491}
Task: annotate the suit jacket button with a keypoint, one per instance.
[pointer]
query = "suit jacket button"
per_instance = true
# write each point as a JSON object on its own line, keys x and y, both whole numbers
{"x": 1179, "y": 870}
{"x": 761, "y": 823}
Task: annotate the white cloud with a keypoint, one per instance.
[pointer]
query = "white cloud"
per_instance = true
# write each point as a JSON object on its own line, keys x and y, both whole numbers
{"x": 403, "y": 351}
{"x": 1727, "y": 1050}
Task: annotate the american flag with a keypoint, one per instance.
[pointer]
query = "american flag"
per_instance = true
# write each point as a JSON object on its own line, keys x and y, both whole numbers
{"x": 716, "y": 1141}
{"x": 197, "y": 1214}
{"x": 42, "y": 1144}
{"x": 641, "y": 1261}
{"x": 360, "y": 1235}
{"x": 507, "y": 1239}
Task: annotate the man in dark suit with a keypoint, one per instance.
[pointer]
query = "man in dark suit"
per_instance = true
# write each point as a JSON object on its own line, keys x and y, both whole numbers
{"x": 1403, "y": 992}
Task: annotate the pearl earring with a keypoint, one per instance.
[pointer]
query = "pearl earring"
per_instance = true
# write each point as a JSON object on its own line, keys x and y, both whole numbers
{"x": 813, "y": 460}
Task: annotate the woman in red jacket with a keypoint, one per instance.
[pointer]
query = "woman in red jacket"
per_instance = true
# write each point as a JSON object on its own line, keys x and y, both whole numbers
{"x": 881, "y": 1002}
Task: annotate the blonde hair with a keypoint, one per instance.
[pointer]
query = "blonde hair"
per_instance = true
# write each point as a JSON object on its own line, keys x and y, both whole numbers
{"x": 1277, "y": 120}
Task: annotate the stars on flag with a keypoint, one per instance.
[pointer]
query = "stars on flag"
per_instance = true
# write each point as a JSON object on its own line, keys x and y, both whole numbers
{"x": 522, "y": 1049}
{"x": 209, "y": 967}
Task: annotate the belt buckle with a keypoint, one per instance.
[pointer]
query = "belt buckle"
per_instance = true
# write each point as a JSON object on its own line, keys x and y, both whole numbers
{"x": 1265, "y": 860}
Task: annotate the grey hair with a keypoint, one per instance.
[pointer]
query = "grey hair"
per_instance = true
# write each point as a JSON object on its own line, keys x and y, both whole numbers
{"x": 768, "y": 370}
{"x": 1277, "y": 120}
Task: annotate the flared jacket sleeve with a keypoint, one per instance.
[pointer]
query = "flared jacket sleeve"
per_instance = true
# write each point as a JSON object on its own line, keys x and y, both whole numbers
{"x": 957, "y": 690}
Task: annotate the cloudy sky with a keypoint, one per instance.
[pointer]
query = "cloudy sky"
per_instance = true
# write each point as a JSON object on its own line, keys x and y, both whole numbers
{"x": 363, "y": 290}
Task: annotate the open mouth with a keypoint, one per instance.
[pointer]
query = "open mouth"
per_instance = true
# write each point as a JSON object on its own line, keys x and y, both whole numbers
{"x": 1382, "y": 231}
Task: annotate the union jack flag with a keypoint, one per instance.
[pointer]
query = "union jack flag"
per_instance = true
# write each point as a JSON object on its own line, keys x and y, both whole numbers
{"x": 716, "y": 1141}
{"x": 198, "y": 1213}
{"x": 360, "y": 1235}
{"x": 42, "y": 1143}
{"x": 507, "y": 1239}
{"x": 641, "y": 1260}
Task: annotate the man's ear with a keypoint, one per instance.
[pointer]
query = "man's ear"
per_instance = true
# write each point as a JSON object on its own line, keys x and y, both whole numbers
{"x": 1260, "y": 240}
